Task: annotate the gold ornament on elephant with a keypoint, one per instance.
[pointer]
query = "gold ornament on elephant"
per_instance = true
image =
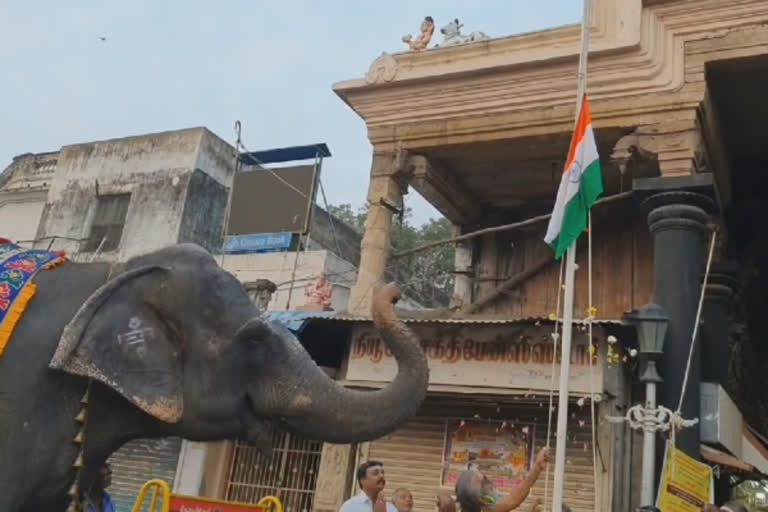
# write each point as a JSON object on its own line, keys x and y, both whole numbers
{"x": 75, "y": 503}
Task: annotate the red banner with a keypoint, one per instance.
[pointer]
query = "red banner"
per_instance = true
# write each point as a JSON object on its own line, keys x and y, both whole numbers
{"x": 195, "y": 504}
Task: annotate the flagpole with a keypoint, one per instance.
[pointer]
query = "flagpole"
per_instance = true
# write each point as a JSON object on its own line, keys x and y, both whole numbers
{"x": 570, "y": 273}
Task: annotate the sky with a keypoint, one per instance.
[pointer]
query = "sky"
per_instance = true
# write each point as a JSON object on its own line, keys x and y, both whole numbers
{"x": 168, "y": 65}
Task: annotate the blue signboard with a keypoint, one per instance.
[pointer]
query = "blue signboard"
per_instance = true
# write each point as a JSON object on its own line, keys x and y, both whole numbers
{"x": 262, "y": 242}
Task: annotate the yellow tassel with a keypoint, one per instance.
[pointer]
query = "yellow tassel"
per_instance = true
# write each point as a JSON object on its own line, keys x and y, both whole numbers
{"x": 80, "y": 418}
{"x": 84, "y": 400}
{"x": 73, "y": 490}
{"x": 16, "y": 309}
{"x": 79, "y": 461}
{"x": 14, "y": 313}
{"x": 72, "y": 507}
{"x": 79, "y": 438}
{"x": 54, "y": 263}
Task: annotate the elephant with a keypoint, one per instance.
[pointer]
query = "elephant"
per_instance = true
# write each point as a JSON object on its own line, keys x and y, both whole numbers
{"x": 169, "y": 344}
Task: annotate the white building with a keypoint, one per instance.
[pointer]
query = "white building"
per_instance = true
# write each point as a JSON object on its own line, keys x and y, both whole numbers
{"x": 111, "y": 200}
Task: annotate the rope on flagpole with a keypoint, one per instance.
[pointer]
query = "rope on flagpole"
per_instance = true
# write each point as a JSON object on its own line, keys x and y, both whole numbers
{"x": 592, "y": 353}
{"x": 555, "y": 339}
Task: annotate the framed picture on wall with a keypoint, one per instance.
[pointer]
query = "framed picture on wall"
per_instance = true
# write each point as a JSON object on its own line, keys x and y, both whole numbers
{"x": 501, "y": 451}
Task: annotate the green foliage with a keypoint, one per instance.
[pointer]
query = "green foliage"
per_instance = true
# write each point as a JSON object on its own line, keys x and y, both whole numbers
{"x": 751, "y": 493}
{"x": 425, "y": 276}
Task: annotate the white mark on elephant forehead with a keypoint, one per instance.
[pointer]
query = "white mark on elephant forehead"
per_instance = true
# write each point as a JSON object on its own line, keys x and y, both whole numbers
{"x": 135, "y": 341}
{"x": 134, "y": 323}
{"x": 135, "y": 336}
{"x": 301, "y": 401}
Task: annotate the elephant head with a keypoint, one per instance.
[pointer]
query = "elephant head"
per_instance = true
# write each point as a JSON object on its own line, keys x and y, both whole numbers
{"x": 178, "y": 337}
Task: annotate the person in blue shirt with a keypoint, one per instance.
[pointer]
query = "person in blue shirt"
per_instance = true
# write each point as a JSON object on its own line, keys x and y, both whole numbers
{"x": 98, "y": 499}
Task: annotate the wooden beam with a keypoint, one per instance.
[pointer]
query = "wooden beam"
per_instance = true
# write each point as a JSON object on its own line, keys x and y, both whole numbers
{"x": 443, "y": 191}
{"x": 717, "y": 457}
{"x": 504, "y": 227}
{"x": 509, "y": 284}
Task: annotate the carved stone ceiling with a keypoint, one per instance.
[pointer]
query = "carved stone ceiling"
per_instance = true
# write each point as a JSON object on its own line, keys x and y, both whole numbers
{"x": 740, "y": 92}
{"x": 503, "y": 174}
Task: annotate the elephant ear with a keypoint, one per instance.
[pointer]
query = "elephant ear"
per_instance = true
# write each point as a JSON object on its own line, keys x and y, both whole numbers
{"x": 119, "y": 339}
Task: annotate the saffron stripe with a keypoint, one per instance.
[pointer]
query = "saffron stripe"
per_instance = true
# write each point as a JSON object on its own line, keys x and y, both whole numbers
{"x": 580, "y": 185}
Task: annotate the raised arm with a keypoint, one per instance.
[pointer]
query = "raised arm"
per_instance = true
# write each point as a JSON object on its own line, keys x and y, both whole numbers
{"x": 516, "y": 497}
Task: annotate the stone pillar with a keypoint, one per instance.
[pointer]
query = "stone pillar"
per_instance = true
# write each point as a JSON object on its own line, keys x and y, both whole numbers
{"x": 722, "y": 286}
{"x": 463, "y": 273}
{"x": 333, "y": 477}
{"x": 678, "y": 223}
{"x": 385, "y": 195}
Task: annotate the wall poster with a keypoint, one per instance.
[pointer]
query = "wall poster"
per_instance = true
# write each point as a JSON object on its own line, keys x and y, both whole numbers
{"x": 501, "y": 451}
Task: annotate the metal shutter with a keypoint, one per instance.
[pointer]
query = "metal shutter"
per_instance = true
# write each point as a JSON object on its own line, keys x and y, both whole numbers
{"x": 138, "y": 461}
{"x": 412, "y": 456}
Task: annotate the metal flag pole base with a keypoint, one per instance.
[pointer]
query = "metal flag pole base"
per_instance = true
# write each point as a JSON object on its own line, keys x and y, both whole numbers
{"x": 651, "y": 418}
{"x": 565, "y": 370}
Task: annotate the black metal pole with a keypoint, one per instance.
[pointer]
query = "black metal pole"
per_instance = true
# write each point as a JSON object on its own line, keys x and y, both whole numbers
{"x": 678, "y": 222}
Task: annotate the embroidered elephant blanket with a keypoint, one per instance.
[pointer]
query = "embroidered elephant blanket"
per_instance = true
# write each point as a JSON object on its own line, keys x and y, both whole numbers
{"x": 18, "y": 267}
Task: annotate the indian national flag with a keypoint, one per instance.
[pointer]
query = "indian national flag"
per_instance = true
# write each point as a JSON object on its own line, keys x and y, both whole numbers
{"x": 580, "y": 186}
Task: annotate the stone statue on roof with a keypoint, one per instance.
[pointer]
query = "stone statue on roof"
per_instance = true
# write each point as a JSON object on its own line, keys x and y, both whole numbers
{"x": 452, "y": 35}
{"x": 421, "y": 42}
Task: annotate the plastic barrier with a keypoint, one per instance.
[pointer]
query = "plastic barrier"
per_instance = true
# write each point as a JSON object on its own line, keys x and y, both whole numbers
{"x": 181, "y": 503}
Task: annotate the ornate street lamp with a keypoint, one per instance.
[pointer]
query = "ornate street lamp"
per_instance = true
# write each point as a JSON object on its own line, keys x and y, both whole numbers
{"x": 651, "y": 325}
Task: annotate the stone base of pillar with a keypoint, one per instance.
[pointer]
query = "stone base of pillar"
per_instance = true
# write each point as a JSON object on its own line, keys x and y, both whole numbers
{"x": 722, "y": 286}
{"x": 333, "y": 477}
{"x": 360, "y": 297}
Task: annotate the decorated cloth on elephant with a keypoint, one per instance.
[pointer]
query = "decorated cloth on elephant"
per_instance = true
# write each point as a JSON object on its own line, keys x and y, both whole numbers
{"x": 18, "y": 267}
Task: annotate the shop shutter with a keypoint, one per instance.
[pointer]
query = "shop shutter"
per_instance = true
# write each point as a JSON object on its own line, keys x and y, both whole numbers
{"x": 413, "y": 455}
{"x": 138, "y": 461}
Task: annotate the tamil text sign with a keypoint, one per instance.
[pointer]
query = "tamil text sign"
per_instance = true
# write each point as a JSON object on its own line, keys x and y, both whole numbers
{"x": 496, "y": 356}
{"x": 686, "y": 484}
{"x": 196, "y": 504}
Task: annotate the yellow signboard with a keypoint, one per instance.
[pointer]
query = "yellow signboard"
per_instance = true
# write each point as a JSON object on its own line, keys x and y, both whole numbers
{"x": 686, "y": 484}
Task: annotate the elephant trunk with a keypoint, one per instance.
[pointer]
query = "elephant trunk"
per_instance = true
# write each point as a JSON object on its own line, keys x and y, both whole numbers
{"x": 323, "y": 410}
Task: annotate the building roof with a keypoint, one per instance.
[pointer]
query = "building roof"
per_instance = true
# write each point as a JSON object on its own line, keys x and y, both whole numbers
{"x": 296, "y": 321}
{"x": 289, "y": 154}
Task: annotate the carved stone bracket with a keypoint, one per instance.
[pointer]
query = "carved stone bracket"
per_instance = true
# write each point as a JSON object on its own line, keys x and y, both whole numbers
{"x": 383, "y": 69}
{"x": 669, "y": 149}
{"x": 443, "y": 190}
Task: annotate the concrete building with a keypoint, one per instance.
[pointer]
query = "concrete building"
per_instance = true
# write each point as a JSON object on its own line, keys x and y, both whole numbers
{"x": 111, "y": 200}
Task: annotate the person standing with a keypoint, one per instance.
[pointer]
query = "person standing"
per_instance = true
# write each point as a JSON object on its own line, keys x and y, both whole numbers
{"x": 403, "y": 500}
{"x": 476, "y": 493}
{"x": 370, "y": 479}
{"x": 98, "y": 498}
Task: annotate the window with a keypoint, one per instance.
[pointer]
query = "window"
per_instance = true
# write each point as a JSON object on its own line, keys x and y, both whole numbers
{"x": 290, "y": 474}
{"x": 108, "y": 222}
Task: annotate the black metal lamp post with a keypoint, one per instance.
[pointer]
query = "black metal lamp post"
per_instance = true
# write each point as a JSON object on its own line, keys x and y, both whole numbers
{"x": 651, "y": 325}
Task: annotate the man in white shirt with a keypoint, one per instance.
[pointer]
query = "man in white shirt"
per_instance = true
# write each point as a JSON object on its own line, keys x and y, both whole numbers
{"x": 370, "y": 478}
